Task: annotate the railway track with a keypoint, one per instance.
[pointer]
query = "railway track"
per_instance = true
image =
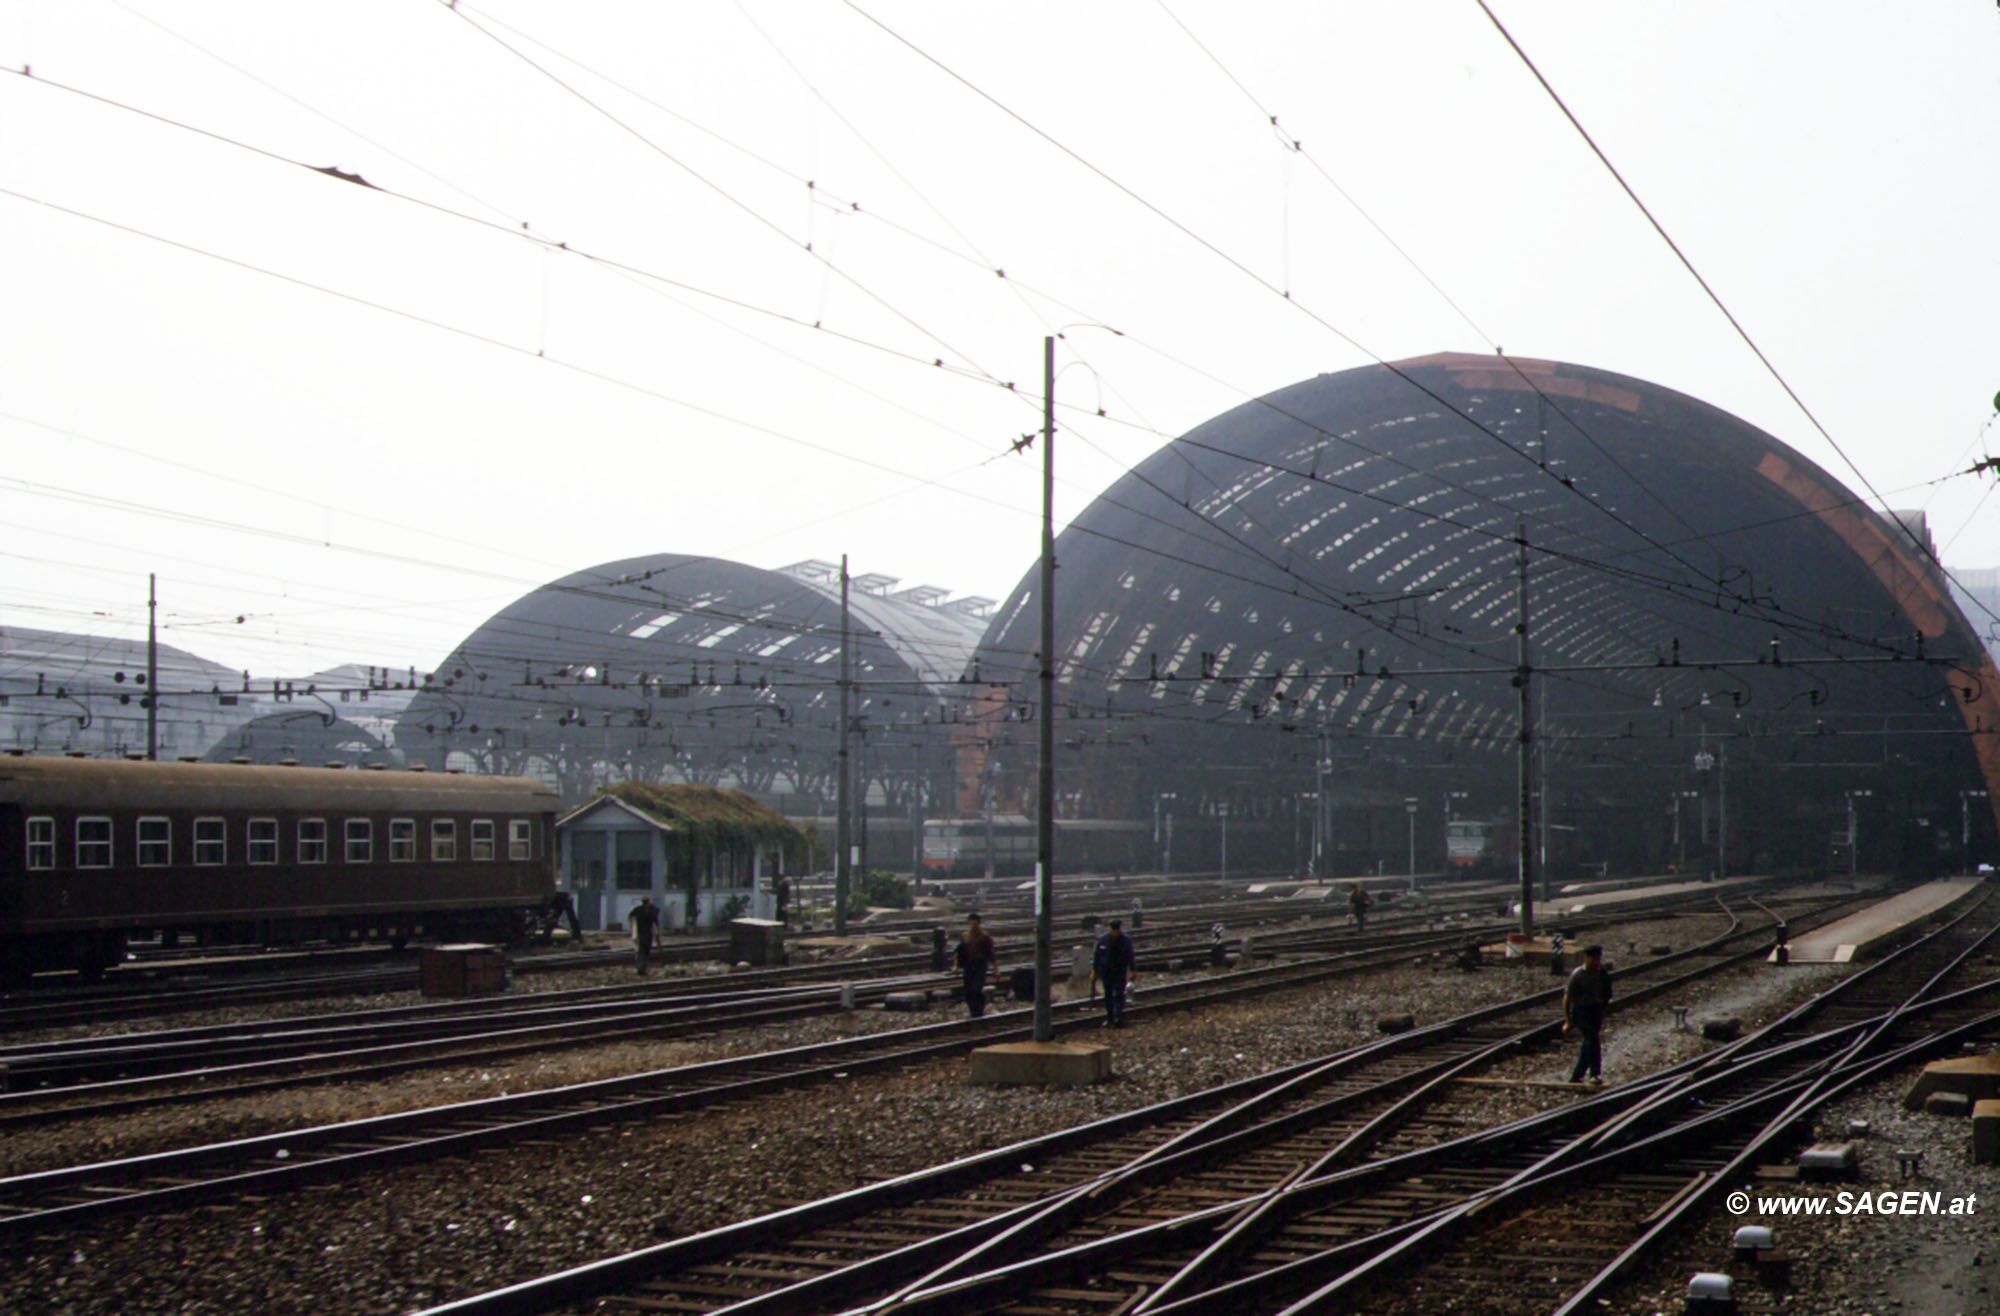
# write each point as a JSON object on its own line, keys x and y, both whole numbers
{"x": 264, "y": 1164}
{"x": 1104, "y": 1205}
{"x": 76, "y": 1194}
{"x": 1323, "y": 1237}
{"x": 114, "y": 1075}
{"x": 161, "y": 985}
{"x": 159, "y": 994}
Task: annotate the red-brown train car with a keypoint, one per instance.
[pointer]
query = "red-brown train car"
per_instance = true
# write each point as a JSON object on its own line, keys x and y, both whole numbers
{"x": 94, "y": 852}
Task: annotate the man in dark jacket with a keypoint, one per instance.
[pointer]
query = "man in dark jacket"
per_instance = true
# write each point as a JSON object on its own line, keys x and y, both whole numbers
{"x": 1586, "y": 997}
{"x": 977, "y": 956}
{"x": 1358, "y": 902}
{"x": 645, "y": 921}
{"x": 1112, "y": 966}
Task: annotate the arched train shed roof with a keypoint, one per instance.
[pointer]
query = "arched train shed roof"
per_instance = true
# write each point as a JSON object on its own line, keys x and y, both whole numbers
{"x": 663, "y": 650}
{"x": 1273, "y": 562}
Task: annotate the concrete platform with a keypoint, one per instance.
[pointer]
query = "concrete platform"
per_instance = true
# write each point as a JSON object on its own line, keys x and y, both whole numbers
{"x": 1976, "y": 1078}
{"x": 1610, "y": 900}
{"x": 1064, "y": 1064}
{"x": 1851, "y": 937}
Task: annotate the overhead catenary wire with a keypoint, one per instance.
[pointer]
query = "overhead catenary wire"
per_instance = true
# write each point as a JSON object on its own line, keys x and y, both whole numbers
{"x": 1770, "y": 366}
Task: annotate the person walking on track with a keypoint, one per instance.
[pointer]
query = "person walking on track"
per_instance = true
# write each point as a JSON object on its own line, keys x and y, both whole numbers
{"x": 1586, "y": 997}
{"x": 645, "y": 921}
{"x": 977, "y": 956}
{"x": 1111, "y": 965}
{"x": 1358, "y": 902}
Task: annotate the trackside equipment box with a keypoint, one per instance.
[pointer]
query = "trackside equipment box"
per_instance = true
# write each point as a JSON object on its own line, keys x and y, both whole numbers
{"x": 756, "y": 941}
{"x": 463, "y": 970}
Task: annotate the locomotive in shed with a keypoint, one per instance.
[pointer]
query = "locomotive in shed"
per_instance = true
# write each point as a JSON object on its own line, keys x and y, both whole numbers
{"x": 97, "y": 852}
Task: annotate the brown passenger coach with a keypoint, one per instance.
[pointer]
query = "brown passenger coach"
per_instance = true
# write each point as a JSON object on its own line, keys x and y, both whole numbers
{"x": 96, "y": 852}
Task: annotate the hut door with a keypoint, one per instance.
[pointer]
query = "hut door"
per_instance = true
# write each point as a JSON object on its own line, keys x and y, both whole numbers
{"x": 586, "y": 877}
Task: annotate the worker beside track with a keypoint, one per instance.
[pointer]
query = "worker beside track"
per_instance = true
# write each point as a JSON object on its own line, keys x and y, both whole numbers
{"x": 1586, "y": 997}
{"x": 977, "y": 956}
{"x": 644, "y": 921}
{"x": 1358, "y": 902}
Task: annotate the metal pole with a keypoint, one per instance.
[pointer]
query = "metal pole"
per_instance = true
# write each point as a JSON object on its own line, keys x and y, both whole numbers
{"x": 1852, "y": 864}
{"x": 1525, "y": 758}
{"x": 1156, "y": 830}
{"x": 986, "y": 801}
{"x": 1722, "y": 813}
{"x": 1322, "y": 814}
{"x": 1680, "y": 850}
{"x": 1045, "y": 821}
{"x": 1410, "y": 808}
{"x": 152, "y": 666}
{"x": 1542, "y": 793}
{"x": 843, "y": 876}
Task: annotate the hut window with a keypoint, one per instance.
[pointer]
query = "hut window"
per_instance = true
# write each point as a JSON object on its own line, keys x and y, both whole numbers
{"x": 635, "y": 860}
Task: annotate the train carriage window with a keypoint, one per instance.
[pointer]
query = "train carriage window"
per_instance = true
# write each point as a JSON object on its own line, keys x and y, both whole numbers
{"x": 156, "y": 842}
{"x": 211, "y": 844}
{"x": 41, "y": 843}
{"x": 444, "y": 840}
{"x": 312, "y": 840}
{"x": 402, "y": 840}
{"x": 360, "y": 836}
{"x": 482, "y": 838}
{"x": 520, "y": 840}
{"x": 93, "y": 843}
{"x": 262, "y": 840}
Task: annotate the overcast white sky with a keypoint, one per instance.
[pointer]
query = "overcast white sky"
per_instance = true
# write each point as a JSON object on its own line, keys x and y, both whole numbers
{"x": 363, "y": 422}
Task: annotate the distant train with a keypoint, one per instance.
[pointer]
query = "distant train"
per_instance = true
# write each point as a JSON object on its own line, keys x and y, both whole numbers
{"x": 957, "y": 847}
{"x": 1467, "y": 841}
{"x": 95, "y": 853}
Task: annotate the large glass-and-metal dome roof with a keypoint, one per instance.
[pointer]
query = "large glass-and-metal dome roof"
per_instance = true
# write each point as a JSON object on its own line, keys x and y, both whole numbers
{"x": 677, "y": 667}
{"x": 1341, "y": 559}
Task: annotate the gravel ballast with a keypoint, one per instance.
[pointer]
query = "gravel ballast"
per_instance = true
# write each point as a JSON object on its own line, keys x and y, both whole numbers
{"x": 395, "y": 1241}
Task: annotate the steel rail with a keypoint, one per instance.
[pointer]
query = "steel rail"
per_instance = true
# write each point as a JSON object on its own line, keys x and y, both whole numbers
{"x": 536, "y": 1295}
{"x": 1383, "y": 1248}
{"x": 294, "y": 1045}
{"x": 1147, "y": 1301}
{"x": 375, "y": 1062}
{"x": 497, "y": 1120}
